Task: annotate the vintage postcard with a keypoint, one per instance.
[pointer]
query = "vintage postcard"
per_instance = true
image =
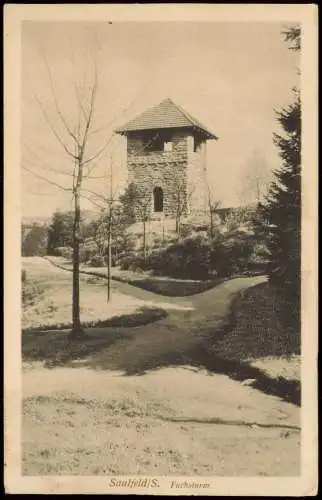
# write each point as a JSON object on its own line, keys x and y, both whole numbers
{"x": 161, "y": 249}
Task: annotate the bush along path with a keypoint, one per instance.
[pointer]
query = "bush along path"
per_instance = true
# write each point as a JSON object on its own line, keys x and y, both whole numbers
{"x": 161, "y": 285}
{"x": 176, "y": 419}
{"x": 187, "y": 335}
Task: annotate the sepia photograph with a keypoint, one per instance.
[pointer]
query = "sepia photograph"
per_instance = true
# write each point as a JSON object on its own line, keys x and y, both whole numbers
{"x": 157, "y": 191}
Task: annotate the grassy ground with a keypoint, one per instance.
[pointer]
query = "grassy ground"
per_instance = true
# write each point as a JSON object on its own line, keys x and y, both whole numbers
{"x": 173, "y": 421}
{"x": 154, "y": 399}
{"x": 47, "y": 301}
{"x": 259, "y": 338}
{"x": 163, "y": 285}
{"x": 169, "y": 287}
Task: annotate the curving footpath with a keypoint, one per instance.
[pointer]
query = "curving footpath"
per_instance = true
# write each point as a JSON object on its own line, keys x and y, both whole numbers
{"x": 176, "y": 419}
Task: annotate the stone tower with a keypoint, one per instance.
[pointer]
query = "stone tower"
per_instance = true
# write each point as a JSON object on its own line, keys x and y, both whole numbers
{"x": 166, "y": 160}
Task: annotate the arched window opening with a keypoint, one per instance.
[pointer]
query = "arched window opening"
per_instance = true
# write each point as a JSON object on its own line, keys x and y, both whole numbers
{"x": 158, "y": 199}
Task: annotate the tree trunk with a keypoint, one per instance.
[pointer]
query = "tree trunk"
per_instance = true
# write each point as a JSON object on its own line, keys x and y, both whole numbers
{"x": 77, "y": 330}
{"x": 109, "y": 259}
{"x": 211, "y": 222}
{"x": 144, "y": 240}
{"x": 178, "y": 224}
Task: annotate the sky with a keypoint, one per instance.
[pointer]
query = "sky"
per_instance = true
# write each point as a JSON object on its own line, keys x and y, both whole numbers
{"x": 231, "y": 76}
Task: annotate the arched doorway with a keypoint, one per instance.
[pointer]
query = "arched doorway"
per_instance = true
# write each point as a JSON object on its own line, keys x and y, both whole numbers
{"x": 158, "y": 199}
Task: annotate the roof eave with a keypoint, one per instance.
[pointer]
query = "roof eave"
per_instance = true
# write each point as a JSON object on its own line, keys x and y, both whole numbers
{"x": 206, "y": 133}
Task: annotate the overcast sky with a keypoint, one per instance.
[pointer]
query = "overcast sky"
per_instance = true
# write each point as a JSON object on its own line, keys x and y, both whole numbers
{"x": 229, "y": 75}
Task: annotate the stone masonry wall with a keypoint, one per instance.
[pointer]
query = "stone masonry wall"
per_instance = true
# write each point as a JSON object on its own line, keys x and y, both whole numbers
{"x": 197, "y": 180}
{"x": 177, "y": 171}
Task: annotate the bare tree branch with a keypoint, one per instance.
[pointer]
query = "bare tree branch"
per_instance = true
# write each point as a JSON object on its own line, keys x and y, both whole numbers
{"x": 61, "y": 142}
{"x": 79, "y": 135}
{"x": 49, "y": 168}
{"x": 48, "y": 151}
{"x": 108, "y": 142}
{"x": 44, "y": 165}
{"x": 91, "y": 167}
{"x": 102, "y": 197}
{"x": 80, "y": 102}
{"x": 60, "y": 114}
{"x": 92, "y": 201}
{"x": 76, "y": 88}
{"x": 96, "y": 155}
{"x": 90, "y": 115}
{"x": 45, "y": 179}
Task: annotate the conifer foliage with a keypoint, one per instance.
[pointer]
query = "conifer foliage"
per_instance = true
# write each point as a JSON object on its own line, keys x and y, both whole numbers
{"x": 282, "y": 209}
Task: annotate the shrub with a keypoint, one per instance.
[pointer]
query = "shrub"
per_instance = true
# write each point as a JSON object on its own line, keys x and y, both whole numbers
{"x": 34, "y": 241}
{"x": 159, "y": 242}
{"x": 186, "y": 259}
{"x": 189, "y": 258}
{"x": 83, "y": 254}
{"x": 122, "y": 248}
{"x": 231, "y": 252}
{"x": 201, "y": 257}
{"x": 88, "y": 255}
{"x": 126, "y": 243}
{"x": 97, "y": 261}
{"x": 126, "y": 261}
{"x": 259, "y": 258}
{"x": 186, "y": 230}
{"x": 66, "y": 252}
{"x": 31, "y": 292}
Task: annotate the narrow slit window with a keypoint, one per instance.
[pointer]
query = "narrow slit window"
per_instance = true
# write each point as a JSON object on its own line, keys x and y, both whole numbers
{"x": 158, "y": 199}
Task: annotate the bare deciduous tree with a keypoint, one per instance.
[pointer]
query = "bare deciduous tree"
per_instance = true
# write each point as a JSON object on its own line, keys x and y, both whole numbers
{"x": 74, "y": 136}
{"x": 213, "y": 205}
{"x": 255, "y": 181}
{"x": 182, "y": 194}
{"x": 143, "y": 211}
{"x": 106, "y": 223}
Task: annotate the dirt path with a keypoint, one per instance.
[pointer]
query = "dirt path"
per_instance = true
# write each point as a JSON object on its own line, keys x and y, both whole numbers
{"x": 189, "y": 320}
{"x": 118, "y": 286}
{"x": 89, "y": 418}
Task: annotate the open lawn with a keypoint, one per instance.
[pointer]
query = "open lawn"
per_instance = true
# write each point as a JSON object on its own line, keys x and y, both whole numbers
{"x": 162, "y": 285}
{"x": 47, "y": 300}
{"x": 154, "y": 396}
{"x": 173, "y": 421}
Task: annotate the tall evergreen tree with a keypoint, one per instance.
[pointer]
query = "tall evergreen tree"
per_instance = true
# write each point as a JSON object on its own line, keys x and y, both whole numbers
{"x": 282, "y": 209}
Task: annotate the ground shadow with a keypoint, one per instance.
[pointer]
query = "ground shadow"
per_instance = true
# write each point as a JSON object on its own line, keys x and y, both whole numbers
{"x": 54, "y": 347}
{"x": 288, "y": 390}
{"x": 171, "y": 287}
{"x": 253, "y": 328}
{"x": 143, "y": 316}
{"x": 201, "y": 358}
{"x": 136, "y": 351}
{"x": 159, "y": 285}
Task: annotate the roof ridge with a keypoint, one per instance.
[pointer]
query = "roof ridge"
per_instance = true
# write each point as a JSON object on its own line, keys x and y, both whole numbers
{"x": 192, "y": 120}
{"x": 185, "y": 113}
{"x": 161, "y": 110}
{"x": 136, "y": 117}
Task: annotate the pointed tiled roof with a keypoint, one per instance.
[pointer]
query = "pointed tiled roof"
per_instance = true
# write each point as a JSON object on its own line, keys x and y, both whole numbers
{"x": 167, "y": 114}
